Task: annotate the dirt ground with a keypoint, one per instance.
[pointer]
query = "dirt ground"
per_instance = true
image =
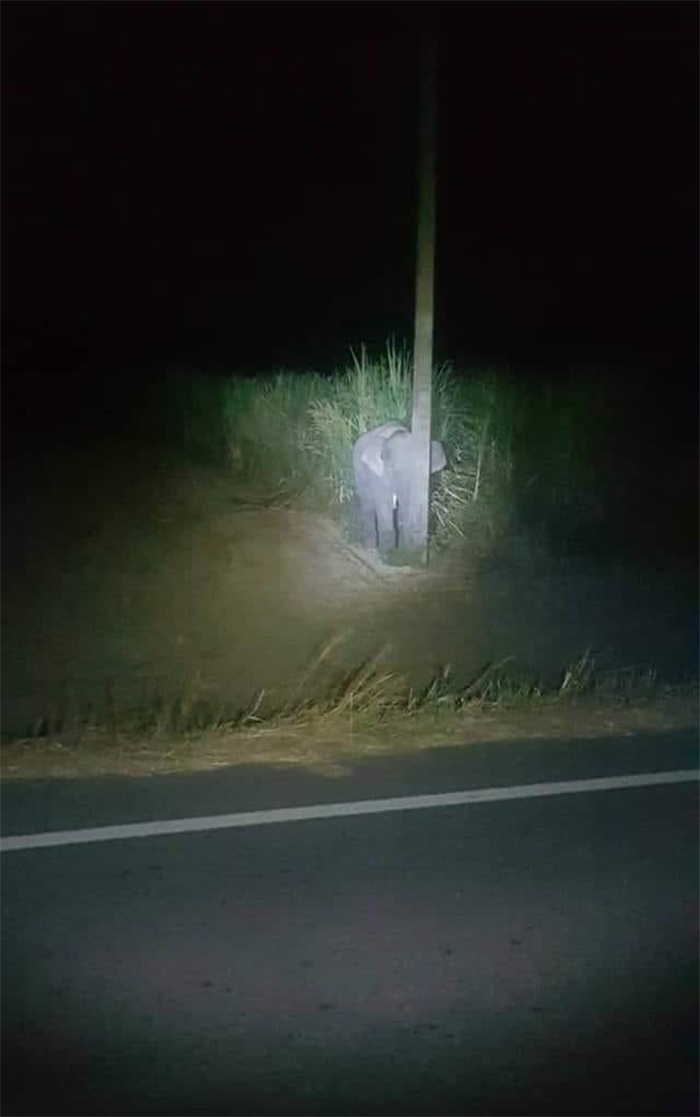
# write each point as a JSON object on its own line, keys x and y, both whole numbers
{"x": 128, "y": 580}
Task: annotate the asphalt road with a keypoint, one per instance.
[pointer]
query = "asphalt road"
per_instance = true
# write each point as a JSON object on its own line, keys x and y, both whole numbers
{"x": 534, "y": 955}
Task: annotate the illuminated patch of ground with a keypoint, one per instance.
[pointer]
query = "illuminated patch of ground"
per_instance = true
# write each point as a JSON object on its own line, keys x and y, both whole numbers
{"x": 129, "y": 585}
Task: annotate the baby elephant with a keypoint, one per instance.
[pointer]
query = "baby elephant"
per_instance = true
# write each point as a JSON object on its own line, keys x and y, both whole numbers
{"x": 382, "y": 462}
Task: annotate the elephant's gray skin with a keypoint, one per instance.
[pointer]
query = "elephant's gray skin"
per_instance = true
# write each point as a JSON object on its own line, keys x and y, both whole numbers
{"x": 382, "y": 461}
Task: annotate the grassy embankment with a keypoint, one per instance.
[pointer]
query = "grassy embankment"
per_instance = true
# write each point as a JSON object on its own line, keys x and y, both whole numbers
{"x": 549, "y": 468}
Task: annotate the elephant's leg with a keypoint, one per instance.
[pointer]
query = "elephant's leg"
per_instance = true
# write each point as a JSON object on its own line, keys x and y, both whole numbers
{"x": 366, "y": 503}
{"x": 369, "y": 526}
{"x": 400, "y": 538}
{"x": 385, "y": 526}
{"x": 403, "y": 498}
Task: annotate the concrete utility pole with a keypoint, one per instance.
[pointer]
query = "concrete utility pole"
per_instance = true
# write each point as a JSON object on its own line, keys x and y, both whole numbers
{"x": 416, "y": 529}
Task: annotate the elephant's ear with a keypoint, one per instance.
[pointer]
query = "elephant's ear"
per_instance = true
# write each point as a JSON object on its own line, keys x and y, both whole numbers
{"x": 438, "y": 460}
{"x": 372, "y": 456}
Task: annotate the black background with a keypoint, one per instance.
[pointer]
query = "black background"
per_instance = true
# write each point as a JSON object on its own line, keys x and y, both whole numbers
{"x": 235, "y": 183}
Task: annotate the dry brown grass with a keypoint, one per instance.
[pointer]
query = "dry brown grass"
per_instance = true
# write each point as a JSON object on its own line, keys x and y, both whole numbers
{"x": 370, "y": 711}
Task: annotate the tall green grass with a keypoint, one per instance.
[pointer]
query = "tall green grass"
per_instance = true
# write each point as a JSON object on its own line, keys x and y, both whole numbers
{"x": 529, "y": 454}
{"x": 266, "y": 430}
{"x": 467, "y": 419}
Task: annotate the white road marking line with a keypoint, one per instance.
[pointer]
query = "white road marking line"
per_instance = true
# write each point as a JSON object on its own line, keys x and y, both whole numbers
{"x": 341, "y": 810}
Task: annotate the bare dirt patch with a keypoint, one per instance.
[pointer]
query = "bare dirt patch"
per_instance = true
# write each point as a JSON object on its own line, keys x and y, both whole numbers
{"x": 128, "y": 581}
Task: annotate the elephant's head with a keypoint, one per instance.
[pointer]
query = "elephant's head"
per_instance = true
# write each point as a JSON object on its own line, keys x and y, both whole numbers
{"x": 389, "y": 450}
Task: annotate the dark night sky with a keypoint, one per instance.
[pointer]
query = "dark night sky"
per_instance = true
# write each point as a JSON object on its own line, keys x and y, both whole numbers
{"x": 235, "y": 182}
